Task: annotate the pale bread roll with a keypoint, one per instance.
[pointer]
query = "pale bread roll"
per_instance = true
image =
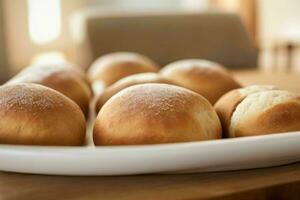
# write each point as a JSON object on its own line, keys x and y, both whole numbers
{"x": 207, "y": 78}
{"x": 259, "y": 110}
{"x": 112, "y": 67}
{"x": 127, "y": 82}
{"x": 31, "y": 114}
{"x": 226, "y": 105}
{"x": 155, "y": 113}
{"x": 266, "y": 112}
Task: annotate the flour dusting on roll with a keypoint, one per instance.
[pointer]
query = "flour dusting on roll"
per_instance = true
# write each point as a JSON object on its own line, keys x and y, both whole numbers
{"x": 31, "y": 114}
{"x": 127, "y": 82}
{"x": 266, "y": 112}
{"x": 155, "y": 113}
{"x": 258, "y": 110}
{"x": 207, "y": 78}
{"x": 112, "y": 67}
{"x": 227, "y": 104}
{"x": 63, "y": 78}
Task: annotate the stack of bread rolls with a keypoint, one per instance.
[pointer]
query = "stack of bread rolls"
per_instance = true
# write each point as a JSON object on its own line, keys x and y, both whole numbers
{"x": 62, "y": 77}
{"x": 45, "y": 104}
{"x": 187, "y": 100}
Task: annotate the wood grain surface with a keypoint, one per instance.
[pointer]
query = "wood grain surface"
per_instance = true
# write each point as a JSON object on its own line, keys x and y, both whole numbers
{"x": 286, "y": 81}
{"x": 259, "y": 183}
{"x": 269, "y": 183}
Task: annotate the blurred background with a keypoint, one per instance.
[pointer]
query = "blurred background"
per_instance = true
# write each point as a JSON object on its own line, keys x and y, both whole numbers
{"x": 240, "y": 34}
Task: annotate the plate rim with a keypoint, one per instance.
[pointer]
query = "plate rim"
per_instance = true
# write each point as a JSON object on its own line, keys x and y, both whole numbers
{"x": 13, "y": 147}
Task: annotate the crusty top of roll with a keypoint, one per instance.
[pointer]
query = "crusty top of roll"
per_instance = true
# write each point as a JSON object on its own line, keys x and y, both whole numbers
{"x": 78, "y": 71}
{"x": 226, "y": 105}
{"x": 207, "y": 78}
{"x": 112, "y": 67}
{"x": 38, "y": 72}
{"x": 266, "y": 112}
{"x": 36, "y": 115}
{"x": 129, "y": 81}
{"x": 59, "y": 77}
{"x": 155, "y": 113}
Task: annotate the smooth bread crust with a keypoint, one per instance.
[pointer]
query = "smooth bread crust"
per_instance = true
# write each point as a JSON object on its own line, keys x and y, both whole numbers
{"x": 127, "y": 82}
{"x": 112, "y": 67}
{"x": 227, "y": 104}
{"x": 155, "y": 113}
{"x": 265, "y": 113}
{"x": 207, "y": 78}
{"x": 60, "y": 78}
{"x": 32, "y": 114}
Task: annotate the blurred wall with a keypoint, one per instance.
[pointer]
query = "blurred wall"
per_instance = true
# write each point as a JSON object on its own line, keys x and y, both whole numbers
{"x": 245, "y": 8}
{"x": 152, "y": 5}
{"x": 274, "y": 17}
{"x": 20, "y": 48}
{"x": 278, "y": 21}
{"x": 4, "y": 73}
{"x": 137, "y": 4}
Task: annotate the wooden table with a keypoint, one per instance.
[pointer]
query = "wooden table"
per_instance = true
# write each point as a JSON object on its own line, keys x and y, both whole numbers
{"x": 286, "y": 81}
{"x": 268, "y": 183}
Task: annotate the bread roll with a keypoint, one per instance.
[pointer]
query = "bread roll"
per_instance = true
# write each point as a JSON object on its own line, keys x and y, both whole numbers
{"x": 61, "y": 78}
{"x": 129, "y": 81}
{"x": 72, "y": 68}
{"x": 112, "y": 67}
{"x": 207, "y": 78}
{"x": 263, "y": 112}
{"x": 31, "y": 114}
{"x": 155, "y": 113}
{"x": 79, "y": 72}
{"x": 226, "y": 105}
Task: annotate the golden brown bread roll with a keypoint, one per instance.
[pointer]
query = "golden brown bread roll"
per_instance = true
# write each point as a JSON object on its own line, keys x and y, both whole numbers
{"x": 262, "y": 112}
{"x": 226, "y": 105}
{"x": 112, "y": 67}
{"x": 127, "y": 82}
{"x": 79, "y": 72}
{"x": 207, "y": 78}
{"x": 32, "y": 114}
{"x": 155, "y": 113}
{"x": 60, "y": 77}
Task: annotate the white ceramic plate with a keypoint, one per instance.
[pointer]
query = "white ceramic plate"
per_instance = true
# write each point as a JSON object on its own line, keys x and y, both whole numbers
{"x": 218, "y": 155}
